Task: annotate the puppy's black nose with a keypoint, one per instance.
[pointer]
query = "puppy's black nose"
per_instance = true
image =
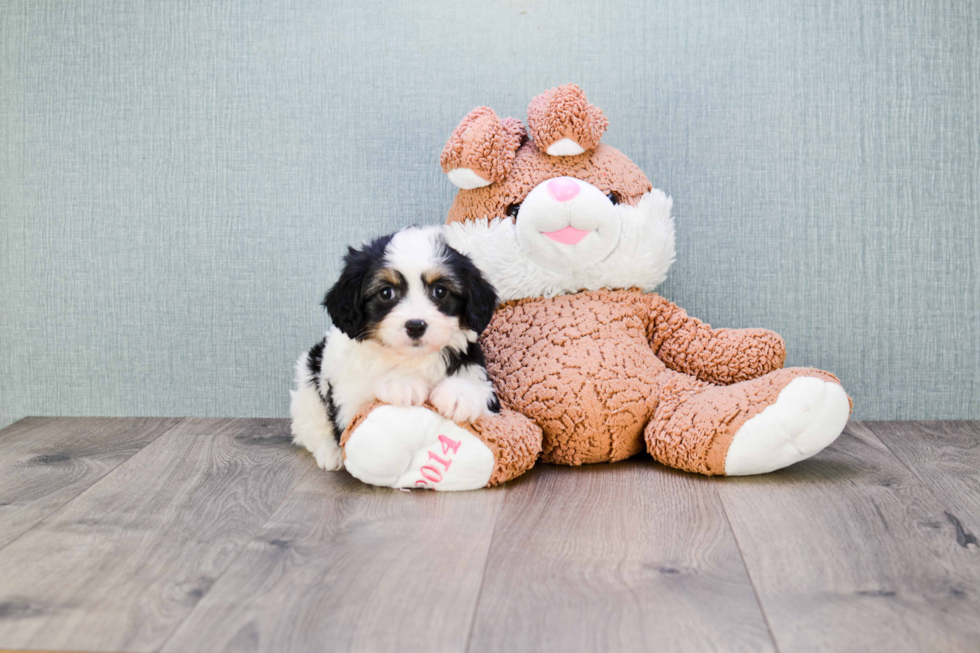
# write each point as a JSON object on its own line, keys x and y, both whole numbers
{"x": 415, "y": 328}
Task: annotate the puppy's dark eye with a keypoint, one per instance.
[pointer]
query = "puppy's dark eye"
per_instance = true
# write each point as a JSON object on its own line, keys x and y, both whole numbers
{"x": 440, "y": 291}
{"x": 613, "y": 197}
{"x": 386, "y": 294}
{"x": 512, "y": 210}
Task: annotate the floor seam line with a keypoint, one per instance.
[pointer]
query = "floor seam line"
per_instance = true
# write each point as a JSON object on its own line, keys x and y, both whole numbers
{"x": 748, "y": 573}
{"x": 483, "y": 576}
{"x": 894, "y": 455}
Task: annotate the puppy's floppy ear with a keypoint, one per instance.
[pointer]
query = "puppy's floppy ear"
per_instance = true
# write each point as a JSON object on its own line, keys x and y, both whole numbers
{"x": 344, "y": 301}
{"x": 481, "y": 298}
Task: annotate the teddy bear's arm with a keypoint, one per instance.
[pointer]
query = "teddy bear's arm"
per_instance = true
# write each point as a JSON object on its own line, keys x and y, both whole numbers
{"x": 721, "y": 356}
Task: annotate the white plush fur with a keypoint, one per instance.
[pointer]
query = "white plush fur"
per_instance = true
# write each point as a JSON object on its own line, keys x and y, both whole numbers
{"x": 589, "y": 211}
{"x": 565, "y": 147}
{"x": 641, "y": 257}
{"x": 466, "y": 179}
{"x": 402, "y": 447}
{"x": 807, "y": 416}
{"x": 391, "y": 367}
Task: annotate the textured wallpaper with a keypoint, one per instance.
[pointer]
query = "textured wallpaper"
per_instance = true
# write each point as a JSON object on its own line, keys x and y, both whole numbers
{"x": 178, "y": 179}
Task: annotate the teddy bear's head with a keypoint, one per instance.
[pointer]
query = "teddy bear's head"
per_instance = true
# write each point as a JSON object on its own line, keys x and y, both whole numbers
{"x": 554, "y": 200}
{"x": 497, "y": 167}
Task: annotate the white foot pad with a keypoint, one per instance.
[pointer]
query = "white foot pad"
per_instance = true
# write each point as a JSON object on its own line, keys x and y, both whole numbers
{"x": 808, "y": 415}
{"x": 417, "y": 448}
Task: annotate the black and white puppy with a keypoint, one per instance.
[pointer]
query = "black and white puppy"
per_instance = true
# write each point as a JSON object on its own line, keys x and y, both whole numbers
{"x": 406, "y": 314}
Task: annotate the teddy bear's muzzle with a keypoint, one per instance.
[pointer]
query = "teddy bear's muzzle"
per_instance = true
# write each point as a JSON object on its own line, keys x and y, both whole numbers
{"x": 565, "y": 223}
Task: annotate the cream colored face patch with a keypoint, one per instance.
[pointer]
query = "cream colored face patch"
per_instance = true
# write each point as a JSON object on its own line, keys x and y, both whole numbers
{"x": 566, "y": 223}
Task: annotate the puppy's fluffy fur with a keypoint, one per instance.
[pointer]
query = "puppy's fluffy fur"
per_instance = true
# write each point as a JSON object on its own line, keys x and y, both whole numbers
{"x": 406, "y": 314}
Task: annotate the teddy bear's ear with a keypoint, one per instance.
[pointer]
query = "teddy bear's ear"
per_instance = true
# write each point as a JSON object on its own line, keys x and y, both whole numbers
{"x": 563, "y": 123}
{"x": 482, "y": 148}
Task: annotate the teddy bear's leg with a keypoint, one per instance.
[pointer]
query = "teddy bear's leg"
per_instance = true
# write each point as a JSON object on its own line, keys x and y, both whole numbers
{"x": 752, "y": 427}
{"x": 415, "y": 447}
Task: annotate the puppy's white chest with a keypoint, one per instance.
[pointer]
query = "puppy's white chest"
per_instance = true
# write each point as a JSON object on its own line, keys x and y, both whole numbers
{"x": 358, "y": 371}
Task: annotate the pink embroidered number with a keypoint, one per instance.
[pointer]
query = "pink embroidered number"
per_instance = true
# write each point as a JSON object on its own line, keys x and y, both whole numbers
{"x": 431, "y": 473}
{"x": 434, "y": 474}
{"x": 448, "y": 444}
{"x": 445, "y": 463}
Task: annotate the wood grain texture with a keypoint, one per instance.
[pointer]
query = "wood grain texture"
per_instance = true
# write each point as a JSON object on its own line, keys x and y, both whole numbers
{"x": 47, "y": 461}
{"x": 849, "y": 551}
{"x": 623, "y": 557}
{"x": 347, "y": 567}
{"x": 205, "y": 539}
{"x": 945, "y": 456}
{"x": 122, "y": 565}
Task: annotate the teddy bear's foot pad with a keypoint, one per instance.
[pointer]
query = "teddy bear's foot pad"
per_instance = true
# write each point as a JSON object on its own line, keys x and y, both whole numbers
{"x": 415, "y": 447}
{"x": 806, "y": 417}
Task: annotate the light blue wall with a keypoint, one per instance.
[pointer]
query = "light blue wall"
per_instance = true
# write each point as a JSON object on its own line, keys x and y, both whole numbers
{"x": 178, "y": 179}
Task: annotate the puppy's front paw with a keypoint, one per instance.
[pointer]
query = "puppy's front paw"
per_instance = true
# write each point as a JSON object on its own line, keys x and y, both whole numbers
{"x": 403, "y": 391}
{"x": 329, "y": 456}
{"x": 460, "y": 400}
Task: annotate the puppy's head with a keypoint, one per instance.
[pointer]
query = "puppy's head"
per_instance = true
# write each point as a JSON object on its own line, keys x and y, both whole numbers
{"x": 411, "y": 292}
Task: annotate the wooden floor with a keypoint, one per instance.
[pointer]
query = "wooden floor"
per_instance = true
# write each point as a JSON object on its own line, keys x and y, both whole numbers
{"x": 206, "y": 535}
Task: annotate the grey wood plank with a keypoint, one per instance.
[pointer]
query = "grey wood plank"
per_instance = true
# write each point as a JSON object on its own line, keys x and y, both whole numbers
{"x": 849, "y": 551}
{"x": 124, "y": 563}
{"x": 347, "y": 567}
{"x": 945, "y": 456}
{"x": 47, "y": 461}
{"x": 625, "y": 557}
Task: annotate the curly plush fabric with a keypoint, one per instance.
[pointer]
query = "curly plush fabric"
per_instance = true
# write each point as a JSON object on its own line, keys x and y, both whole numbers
{"x": 562, "y": 360}
{"x": 586, "y": 367}
{"x": 695, "y": 422}
{"x": 720, "y": 356}
{"x": 564, "y": 112}
{"x": 514, "y": 440}
{"x": 485, "y": 144}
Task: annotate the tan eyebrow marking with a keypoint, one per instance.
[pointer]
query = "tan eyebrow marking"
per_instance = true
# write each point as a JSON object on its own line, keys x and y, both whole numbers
{"x": 431, "y": 276}
{"x": 394, "y": 277}
{"x": 386, "y": 277}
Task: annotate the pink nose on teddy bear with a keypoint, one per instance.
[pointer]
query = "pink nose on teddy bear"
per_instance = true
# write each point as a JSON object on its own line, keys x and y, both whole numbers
{"x": 562, "y": 189}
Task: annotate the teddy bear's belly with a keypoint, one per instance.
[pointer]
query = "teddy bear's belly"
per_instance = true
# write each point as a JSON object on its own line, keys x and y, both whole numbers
{"x": 581, "y": 367}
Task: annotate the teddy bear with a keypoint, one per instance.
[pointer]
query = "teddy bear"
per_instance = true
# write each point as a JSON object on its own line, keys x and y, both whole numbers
{"x": 590, "y": 365}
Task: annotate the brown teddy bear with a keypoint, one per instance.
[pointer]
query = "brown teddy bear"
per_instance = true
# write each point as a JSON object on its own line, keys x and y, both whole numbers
{"x": 590, "y": 365}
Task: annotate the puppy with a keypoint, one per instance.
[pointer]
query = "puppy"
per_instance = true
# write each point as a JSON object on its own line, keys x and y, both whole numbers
{"x": 406, "y": 314}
